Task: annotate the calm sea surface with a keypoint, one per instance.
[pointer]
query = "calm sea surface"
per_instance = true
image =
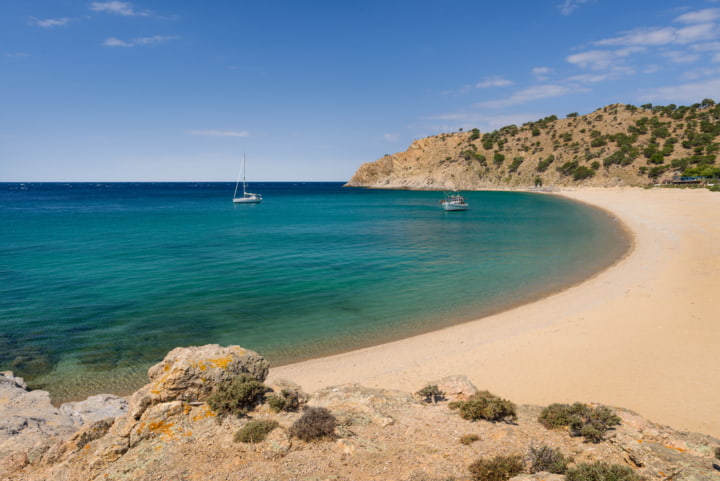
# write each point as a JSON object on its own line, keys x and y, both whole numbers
{"x": 99, "y": 281}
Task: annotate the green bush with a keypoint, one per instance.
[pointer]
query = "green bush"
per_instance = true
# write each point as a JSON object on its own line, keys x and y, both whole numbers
{"x": 717, "y": 453}
{"x": 431, "y": 393}
{"x": 499, "y": 468}
{"x": 600, "y": 471}
{"x": 315, "y": 423}
{"x": 285, "y": 401}
{"x": 547, "y": 459}
{"x": 487, "y": 406}
{"x": 255, "y": 431}
{"x": 581, "y": 419}
{"x": 237, "y": 396}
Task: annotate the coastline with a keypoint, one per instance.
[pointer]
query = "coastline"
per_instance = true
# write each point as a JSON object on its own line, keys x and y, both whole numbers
{"x": 641, "y": 334}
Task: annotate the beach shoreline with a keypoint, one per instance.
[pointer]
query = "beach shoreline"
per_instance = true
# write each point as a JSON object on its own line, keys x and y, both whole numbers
{"x": 640, "y": 334}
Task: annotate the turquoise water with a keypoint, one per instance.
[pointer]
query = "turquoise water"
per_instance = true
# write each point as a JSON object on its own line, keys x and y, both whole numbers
{"x": 99, "y": 281}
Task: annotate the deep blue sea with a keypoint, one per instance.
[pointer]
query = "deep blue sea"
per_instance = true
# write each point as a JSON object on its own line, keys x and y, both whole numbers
{"x": 99, "y": 280}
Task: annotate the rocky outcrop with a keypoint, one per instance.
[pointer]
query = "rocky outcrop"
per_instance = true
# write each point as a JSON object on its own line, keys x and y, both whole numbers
{"x": 169, "y": 433}
{"x": 30, "y": 424}
{"x": 617, "y": 145}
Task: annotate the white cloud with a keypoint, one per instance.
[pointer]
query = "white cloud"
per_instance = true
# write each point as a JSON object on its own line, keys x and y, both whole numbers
{"x": 536, "y": 92}
{"x": 681, "y": 57}
{"x": 391, "y": 137}
{"x": 220, "y": 133}
{"x": 603, "y": 59}
{"x": 116, "y": 42}
{"x": 116, "y": 7}
{"x": 493, "y": 82}
{"x": 688, "y": 93}
{"x": 154, "y": 39}
{"x": 541, "y": 70}
{"x": 51, "y": 22}
{"x": 657, "y": 36}
{"x": 700, "y": 16}
{"x": 568, "y": 6}
{"x": 17, "y": 55}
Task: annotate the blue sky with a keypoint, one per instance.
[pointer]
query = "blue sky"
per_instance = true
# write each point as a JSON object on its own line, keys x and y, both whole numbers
{"x": 177, "y": 90}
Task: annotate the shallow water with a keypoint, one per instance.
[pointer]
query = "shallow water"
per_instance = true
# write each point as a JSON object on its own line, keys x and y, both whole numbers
{"x": 99, "y": 281}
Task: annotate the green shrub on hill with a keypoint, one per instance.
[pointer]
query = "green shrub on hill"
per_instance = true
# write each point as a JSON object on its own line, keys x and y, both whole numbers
{"x": 237, "y": 396}
{"x": 581, "y": 419}
{"x": 600, "y": 471}
{"x": 486, "y": 406}
{"x": 255, "y": 431}
{"x": 499, "y": 468}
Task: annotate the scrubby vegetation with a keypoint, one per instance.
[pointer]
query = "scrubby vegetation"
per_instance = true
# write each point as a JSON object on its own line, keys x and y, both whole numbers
{"x": 237, "y": 396}
{"x": 499, "y": 468}
{"x": 467, "y": 439}
{"x": 255, "y": 431}
{"x": 486, "y": 406}
{"x": 581, "y": 419}
{"x": 431, "y": 393}
{"x": 600, "y": 471}
{"x": 546, "y": 458}
{"x": 315, "y": 423}
{"x": 285, "y": 401}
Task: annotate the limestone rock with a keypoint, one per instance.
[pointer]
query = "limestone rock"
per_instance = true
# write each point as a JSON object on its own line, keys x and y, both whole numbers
{"x": 456, "y": 388}
{"x": 95, "y": 408}
{"x": 191, "y": 373}
{"x": 28, "y": 421}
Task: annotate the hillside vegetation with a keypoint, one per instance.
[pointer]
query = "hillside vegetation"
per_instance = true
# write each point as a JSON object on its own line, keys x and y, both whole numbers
{"x": 617, "y": 145}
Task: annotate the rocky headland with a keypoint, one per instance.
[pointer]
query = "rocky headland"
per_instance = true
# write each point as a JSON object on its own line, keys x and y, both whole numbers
{"x": 167, "y": 431}
{"x": 616, "y": 145}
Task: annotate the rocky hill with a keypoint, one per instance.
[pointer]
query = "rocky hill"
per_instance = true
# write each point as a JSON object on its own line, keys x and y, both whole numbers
{"x": 617, "y": 145}
{"x": 171, "y": 430}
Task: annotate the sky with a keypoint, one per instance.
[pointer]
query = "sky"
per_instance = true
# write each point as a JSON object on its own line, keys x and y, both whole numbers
{"x": 308, "y": 90}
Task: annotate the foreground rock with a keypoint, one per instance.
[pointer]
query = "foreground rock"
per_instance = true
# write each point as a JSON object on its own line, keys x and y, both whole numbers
{"x": 169, "y": 433}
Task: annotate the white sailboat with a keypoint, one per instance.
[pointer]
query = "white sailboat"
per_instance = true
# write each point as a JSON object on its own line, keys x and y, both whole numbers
{"x": 247, "y": 197}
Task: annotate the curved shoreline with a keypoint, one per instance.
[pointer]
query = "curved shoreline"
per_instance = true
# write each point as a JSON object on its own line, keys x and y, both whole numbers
{"x": 639, "y": 334}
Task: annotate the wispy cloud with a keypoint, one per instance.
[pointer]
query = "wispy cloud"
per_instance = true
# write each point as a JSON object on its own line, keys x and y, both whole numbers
{"x": 536, "y": 92}
{"x": 602, "y": 59}
{"x": 684, "y": 93}
{"x": 220, "y": 133}
{"x": 391, "y": 137}
{"x": 156, "y": 39}
{"x": 17, "y": 54}
{"x": 469, "y": 120}
{"x": 542, "y": 73}
{"x": 118, "y": 8}
{"x": 50, "y": 22}
{"x": 568, "y": 6}
{"x": 494, "y": 81}
{"x": 700, "y": 16}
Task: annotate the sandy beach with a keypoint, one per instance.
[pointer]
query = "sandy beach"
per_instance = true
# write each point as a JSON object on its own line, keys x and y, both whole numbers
{"x": 643, "y": 334}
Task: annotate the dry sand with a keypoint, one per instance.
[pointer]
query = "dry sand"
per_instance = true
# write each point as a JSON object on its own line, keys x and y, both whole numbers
{"x": 643, "y": 334}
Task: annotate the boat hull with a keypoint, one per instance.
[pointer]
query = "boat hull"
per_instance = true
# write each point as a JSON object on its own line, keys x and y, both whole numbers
{"x": 247, "y": 200}
{"x": 452, "y": 206}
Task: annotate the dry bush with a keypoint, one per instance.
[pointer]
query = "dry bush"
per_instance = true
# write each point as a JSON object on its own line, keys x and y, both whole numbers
{"x": 315, "y": 423}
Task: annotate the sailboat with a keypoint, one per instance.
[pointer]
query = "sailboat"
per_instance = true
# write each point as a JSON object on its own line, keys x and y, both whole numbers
{"x": 247, "y": 197}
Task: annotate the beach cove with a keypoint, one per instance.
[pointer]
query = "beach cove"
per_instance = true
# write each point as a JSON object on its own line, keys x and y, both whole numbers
{"x": 643, "y": 334}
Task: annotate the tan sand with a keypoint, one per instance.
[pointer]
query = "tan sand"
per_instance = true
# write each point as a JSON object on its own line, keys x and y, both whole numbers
{"x": 644, "y": 334}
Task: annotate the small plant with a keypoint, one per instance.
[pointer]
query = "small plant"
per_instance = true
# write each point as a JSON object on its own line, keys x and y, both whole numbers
{"x": 717, "y": 453}
{"x": 581, "y": 419}
{"x": 600, "y": 471}
{"x": 499, "y": 468}
{"x": 547, "y": 459}
{"x": 467, "y": 439}
{"x": 255, "y": 431}
{"x": 315, "y": 423}
{"x": 285, "y": 401}
{"x": 237, "y": 396}
{"x": 431, "y": 393}
{"x": 487, "y": 406}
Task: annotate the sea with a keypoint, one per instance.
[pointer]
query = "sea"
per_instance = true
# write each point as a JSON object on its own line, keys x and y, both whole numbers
{"x": 98, "y": 281}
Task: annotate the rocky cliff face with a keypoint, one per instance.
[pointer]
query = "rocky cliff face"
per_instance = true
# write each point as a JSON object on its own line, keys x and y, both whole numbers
{"x": 168, "y": 433}
{"x": 618, "y": 145}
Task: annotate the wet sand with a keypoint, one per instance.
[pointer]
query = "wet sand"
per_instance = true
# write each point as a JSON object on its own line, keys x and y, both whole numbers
{"x": 643, "y": 334}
